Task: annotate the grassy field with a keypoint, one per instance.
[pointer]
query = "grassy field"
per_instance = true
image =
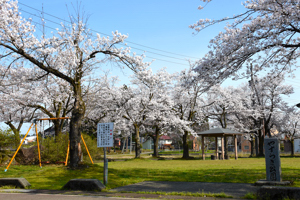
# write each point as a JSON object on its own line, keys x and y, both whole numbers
{"x": 243, "y": 170}
{"x": 181, "y": 152}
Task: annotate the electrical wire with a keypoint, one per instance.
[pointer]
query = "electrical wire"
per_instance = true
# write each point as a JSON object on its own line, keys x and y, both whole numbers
{"x": 109, "y": 34}
{"x": 295, "y": 83}
{"x": 118, "y": 44}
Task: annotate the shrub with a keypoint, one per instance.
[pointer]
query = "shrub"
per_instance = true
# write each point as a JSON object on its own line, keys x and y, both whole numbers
{"x": 91, "y": 143}
{"x": 6, "y": 139}
{"x": 54, "y": 149}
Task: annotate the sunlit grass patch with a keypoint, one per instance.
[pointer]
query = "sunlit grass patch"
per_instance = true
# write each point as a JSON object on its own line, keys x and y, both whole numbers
{"x": 243, "y": 170}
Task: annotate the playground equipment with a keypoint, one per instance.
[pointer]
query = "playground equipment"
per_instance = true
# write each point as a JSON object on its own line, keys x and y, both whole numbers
{"x": 37, "y": 139}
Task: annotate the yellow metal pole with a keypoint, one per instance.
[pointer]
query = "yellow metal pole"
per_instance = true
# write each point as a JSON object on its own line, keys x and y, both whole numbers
{"x": 37, "y": 140}
{"x": 18, "y": 148}
{"x": 66, "y": 163}
{"x": 87, "y": 149}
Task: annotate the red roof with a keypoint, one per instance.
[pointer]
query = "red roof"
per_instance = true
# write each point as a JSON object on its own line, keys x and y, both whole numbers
{"x": 165, "y": 137}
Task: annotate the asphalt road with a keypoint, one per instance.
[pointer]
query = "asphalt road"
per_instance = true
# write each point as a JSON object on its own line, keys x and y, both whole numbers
{"x": 23, "y": 196}
{"x": 236, "y": 190}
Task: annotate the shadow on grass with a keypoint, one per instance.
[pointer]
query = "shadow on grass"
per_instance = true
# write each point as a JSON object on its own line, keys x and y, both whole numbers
{"x": 207, "y": 175}
{"x": 54, "y": 177}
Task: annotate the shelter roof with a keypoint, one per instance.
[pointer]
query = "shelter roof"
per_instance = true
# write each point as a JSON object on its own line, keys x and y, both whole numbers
{"x": 217, "y": 132}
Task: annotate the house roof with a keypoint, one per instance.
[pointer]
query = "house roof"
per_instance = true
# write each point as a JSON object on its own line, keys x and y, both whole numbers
{"x": 219, "y": 132}
{"x": 165, "y": 137}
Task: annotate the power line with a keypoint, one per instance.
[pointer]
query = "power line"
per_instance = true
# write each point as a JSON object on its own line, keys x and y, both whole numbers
{"x": 118, "y": 44}
{"x": 108, "y": 34}
{"x": 293, "y": 80}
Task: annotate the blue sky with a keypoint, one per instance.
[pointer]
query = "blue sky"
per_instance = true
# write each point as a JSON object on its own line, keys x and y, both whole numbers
{"x": 158, "y": 24}
{"x": 161, "y": 25}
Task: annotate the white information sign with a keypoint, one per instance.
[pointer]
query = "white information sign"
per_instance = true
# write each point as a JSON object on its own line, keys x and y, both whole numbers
{"x": 105, "y": 134}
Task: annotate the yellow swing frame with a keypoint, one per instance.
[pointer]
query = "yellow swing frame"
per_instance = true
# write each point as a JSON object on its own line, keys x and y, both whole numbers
{"x": 37, "y": 139}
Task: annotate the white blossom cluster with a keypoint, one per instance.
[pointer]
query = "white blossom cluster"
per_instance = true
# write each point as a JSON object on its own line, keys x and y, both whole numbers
{"x": 267, "y": 35}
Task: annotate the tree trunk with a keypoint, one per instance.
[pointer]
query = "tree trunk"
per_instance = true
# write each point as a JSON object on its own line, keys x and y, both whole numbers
{"x": 252, "y": 147}
{"x": 261, "y": 144}
{"x": 137, "y": 142}
{"x": 57, "y": 127}
{"x": 123, "y": 145}
{"x": 185, "y": 145}
{"x": 17, "y": 138}
{"x": 155, "y": 149}
{"x": 225, "y": 145}
{"x": 127, "y": 144}
{"x": 267, "y": 131}
{"x": 156, "y": 141}
{"x": 75, "y": 126}
{"x": 292, "y": 148}
{"x": 256, "y": 145}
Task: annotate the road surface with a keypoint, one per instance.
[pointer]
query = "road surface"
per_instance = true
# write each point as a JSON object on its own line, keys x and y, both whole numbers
{"x": 24, "y": 196}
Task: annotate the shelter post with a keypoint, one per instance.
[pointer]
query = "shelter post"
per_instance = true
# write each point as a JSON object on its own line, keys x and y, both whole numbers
{"x": 203, "y": 155}
{"x": 225, "y": 146}
{"x": 224, "y": 134}
{"x": 222, "y": 144}
{"x": 216, "y": 146}
{"x": 235, "y": 147}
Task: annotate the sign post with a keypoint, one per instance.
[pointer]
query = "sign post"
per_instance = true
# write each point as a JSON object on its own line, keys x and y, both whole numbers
{"x": 105, "y": 139}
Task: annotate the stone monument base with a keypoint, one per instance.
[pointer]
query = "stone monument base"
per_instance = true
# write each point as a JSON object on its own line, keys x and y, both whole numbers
{"x": 272, "y": 183}
{"x": 278, "y": 193}
{"x": 17, "y": 182}
{"x": 84, "y": 184}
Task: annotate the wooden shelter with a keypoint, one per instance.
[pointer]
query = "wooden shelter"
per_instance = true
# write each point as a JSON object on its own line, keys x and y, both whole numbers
{"x": 219, "y": 132}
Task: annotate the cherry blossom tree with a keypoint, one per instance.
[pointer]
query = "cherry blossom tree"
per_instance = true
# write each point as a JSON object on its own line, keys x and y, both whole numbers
{"x": 266, "y": 34}
{"x": 262, "y": 103}
{"x": 51, "y": 96}
{"x": 224, "y": 103}
{"x": 133, "y": 107}
{"x": 162, "y": 119}
{"x": 290, "y": 126}
{"x": 148, "y": 107}
{"x": 70, "y": 54}
{"x": 252, "y": 108}
{"x": 47, "y": 97}
{"x": 187, "y": 96}
{"x": 14, "y": 113}
{"x": 101, "y": 103}
{"x": 268, "y": 93}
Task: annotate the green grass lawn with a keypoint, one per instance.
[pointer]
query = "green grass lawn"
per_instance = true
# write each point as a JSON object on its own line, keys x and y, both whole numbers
{"x": 243, "y": 170}
{"x": 181, "y": 152}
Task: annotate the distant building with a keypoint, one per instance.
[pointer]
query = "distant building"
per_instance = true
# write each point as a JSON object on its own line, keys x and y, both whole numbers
{"x": 196, "y": 143}
{"x": 287, "y": 145}
{"x": 29, "y": 139}
{"x": 50, "y": 132}
{"x": 297, "y": 145}
{"x": 164, "y": 142}
{"x": 245, "y": 145}
{"x": 148, "y": 144}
